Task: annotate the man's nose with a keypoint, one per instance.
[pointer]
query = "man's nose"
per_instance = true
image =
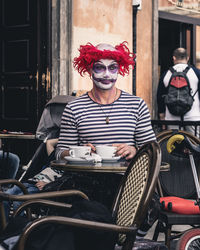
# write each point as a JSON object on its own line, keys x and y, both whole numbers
{"x": 107, "y": 73}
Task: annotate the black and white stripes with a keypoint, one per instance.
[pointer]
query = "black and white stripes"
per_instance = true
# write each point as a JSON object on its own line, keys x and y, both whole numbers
{"x": 83, "y": 121}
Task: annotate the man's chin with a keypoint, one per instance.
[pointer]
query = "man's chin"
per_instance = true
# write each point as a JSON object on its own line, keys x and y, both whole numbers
{"x": 103, "y": 85}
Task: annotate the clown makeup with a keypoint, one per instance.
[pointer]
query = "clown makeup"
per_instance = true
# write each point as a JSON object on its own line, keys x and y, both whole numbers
{"x": 104, "y": 73}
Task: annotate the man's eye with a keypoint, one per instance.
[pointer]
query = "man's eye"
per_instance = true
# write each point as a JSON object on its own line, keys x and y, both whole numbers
{"x": 99, "y": 67}
{"x": 113, "y": 67}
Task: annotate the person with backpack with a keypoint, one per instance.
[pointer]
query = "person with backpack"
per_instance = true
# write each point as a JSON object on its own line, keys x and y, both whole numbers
{"x": 178, "y": 94}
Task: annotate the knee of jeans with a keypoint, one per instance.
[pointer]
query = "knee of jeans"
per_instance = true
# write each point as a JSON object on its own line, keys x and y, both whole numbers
{"x": 14, "y": 190}
{"x": 16, "y": 158}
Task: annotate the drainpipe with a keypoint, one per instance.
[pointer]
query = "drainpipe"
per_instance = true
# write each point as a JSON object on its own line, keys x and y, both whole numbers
{"x": 136, "y": 5}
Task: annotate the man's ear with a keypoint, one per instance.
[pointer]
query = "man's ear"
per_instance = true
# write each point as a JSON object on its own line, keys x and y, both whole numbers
{"x": 89, "y": 70}
{"x": 90, "y": 73}
{"x": 174, "y": 58}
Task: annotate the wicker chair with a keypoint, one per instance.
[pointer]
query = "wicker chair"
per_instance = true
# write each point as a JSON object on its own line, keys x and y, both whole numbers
{"x": 130, "y": 206}
{"x": 176, "y": 182}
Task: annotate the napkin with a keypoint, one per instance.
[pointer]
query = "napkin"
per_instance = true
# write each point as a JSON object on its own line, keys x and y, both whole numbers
{"x": 97, "y": 158}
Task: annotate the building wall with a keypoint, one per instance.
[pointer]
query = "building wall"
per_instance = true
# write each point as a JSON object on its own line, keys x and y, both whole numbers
{"x": 144, "y": 53}
{"x": 198, "y": 47}
{"x": 100, "y": 21}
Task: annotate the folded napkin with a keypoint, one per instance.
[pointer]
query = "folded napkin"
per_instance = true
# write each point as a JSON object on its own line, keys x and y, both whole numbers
{"x": 95, "y": 157}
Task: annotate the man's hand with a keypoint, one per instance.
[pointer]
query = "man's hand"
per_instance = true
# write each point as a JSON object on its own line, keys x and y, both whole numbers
{"x": 125, "y": 150}
{"x": 64, "y": 153}
{"x": 93, "y": 149}
{"x": 162, "y": 116}
{"x": 40, "y": 184}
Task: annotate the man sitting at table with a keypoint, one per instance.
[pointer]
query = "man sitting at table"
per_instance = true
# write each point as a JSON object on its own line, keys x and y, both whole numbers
{"x": 105, "y": 114}
{"x": 9, "y": 164}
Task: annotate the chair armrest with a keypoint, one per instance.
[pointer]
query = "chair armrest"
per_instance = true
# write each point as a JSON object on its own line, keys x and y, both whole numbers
{"x": 26, "y": 197}
{"x": 15, "y": 182}
{"x": 74, "y": 223}
{"x": 40, "y": 202}
{"x": 45, "y": 195}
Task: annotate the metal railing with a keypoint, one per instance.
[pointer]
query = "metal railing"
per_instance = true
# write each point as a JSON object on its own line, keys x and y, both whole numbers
{"x": 160, "y": 125}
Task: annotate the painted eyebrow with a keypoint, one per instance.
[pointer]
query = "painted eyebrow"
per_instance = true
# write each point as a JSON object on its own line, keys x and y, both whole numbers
{"x": 112, "y": 63}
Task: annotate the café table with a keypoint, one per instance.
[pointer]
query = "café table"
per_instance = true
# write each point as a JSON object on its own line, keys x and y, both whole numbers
{"x": 106, "y": 175}
{"x": 102, "y": 167}
{"x": 17, "y": 135}
{"x": 7, "y": 139}
{"x": 118, "y": 167}
{"x": 9, "y": 136}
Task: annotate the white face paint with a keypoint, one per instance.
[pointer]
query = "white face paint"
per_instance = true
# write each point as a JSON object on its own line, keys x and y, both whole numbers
{"x": 105, "y": 73}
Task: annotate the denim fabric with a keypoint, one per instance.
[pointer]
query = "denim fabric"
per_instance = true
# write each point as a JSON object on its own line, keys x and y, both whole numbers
{"x": 15, "y": 190}
{"x": 11, "y": 163}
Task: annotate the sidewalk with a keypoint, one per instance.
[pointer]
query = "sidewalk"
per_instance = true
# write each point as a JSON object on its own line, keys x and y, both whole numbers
{"x": 161, "y": 237}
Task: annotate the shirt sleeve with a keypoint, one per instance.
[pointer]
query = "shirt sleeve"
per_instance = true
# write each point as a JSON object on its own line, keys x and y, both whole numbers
{"x": 144, "y": 131}
{"x": 68, "y": 132}
{"x": 197, "y": 72}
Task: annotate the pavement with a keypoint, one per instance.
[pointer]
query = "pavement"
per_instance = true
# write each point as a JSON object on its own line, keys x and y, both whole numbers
{"x": 161, "y": 237}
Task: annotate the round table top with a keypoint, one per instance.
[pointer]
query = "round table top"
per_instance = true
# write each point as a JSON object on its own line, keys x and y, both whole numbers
{"x": 109, "y": 167}
{"x": 17, "y": 135}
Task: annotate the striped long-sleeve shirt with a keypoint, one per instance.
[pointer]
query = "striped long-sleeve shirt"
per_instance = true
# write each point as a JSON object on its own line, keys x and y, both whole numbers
{"x": 84, "y": 121}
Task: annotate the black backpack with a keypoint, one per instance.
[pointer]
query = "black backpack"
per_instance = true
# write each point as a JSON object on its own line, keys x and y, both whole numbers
{"x": 179, "y": 99}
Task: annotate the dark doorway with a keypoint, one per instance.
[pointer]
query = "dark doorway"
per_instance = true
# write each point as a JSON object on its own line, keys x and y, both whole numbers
{"x": 24, "y": 62}
{"x": 173, "y": 34}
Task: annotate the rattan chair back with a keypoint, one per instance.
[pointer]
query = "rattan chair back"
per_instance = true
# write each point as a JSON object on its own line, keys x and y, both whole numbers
{"x": 137, "y": 187}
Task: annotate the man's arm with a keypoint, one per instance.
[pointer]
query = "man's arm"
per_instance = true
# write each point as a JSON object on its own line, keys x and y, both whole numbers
{"x": 144, "y": 131}
{"x": 161, "y": 92}
{"x": 50, "y": 145}
{"x": 68, "y": 134}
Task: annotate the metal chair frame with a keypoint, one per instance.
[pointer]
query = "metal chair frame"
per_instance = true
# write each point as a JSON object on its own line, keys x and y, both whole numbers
{"x": 168, "y": 219}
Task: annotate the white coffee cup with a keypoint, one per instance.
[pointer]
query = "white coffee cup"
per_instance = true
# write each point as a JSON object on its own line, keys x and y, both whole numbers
{"x": 106, "y": 151}
{"x": 79, "y": 151}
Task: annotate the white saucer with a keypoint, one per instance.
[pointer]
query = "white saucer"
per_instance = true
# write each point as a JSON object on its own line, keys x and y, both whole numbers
{"x": 82, "y": 160}
{"x": 111, "y": 159}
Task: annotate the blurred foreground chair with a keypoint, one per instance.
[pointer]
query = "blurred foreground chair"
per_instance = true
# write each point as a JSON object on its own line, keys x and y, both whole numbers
{"x": 130, "y": 206}
{"x": 177, "y": 182}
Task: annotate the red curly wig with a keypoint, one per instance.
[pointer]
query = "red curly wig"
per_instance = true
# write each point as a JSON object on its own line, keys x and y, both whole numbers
{"x": 90, "y": 54}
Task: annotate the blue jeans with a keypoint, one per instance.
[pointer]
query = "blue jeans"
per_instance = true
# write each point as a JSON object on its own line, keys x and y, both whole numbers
{"x": 15, "y": 190}
{"x": 10, "y": 163}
